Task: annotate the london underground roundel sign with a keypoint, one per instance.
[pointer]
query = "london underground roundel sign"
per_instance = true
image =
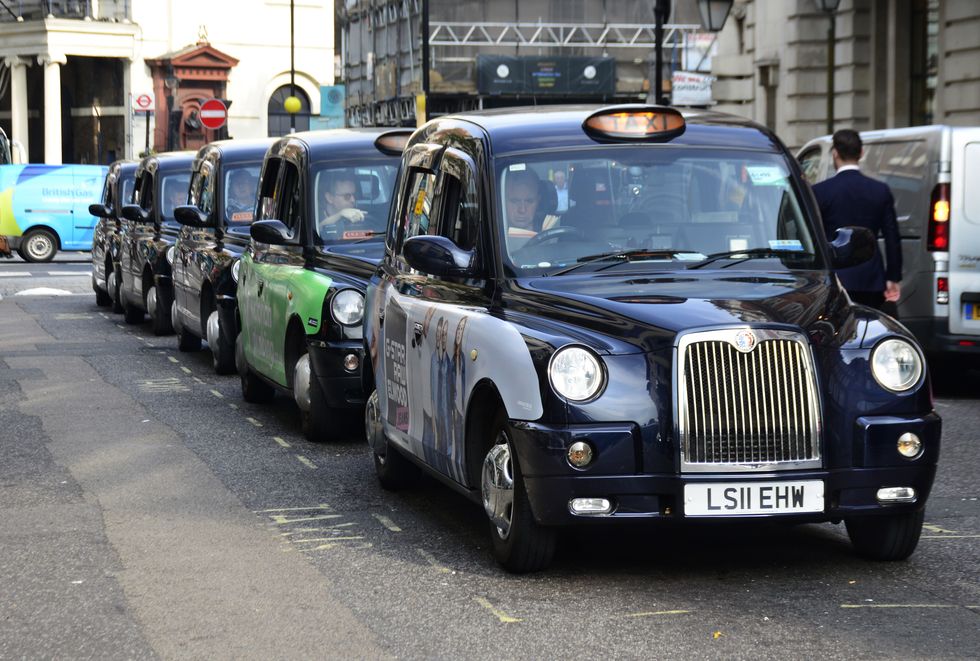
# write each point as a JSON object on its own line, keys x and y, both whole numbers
{"x": 213, "y": 113}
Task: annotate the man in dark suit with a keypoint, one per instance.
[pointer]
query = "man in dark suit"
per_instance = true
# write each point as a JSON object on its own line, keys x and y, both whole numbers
{"x": 850, "y": 198}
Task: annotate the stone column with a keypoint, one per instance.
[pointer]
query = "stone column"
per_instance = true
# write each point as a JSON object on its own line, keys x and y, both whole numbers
{"x": 18, "y": 100}
{"x": 52, "y": 106}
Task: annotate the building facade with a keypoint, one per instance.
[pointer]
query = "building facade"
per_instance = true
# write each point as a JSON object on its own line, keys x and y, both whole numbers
{"x": 894, "y": 63}
{"x": 75, "y": 73}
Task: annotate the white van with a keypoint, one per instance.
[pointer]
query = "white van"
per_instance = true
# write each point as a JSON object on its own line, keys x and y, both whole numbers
{"x": 928, "y": 169}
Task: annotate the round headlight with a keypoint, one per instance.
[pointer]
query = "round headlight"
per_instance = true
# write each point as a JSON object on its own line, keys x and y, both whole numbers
{"x": 347, "y": 307}
{"x": 896, "y": 365}
{"x": 235, "y": 268}
{"x": 170, "y": 255}
{"x": 576, "y": 373}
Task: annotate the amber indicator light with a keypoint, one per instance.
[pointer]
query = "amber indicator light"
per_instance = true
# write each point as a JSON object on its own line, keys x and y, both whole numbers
{"x": 939, "y": 219}
{"x": 393, "y": 142}
{"x": 645, "y": 123}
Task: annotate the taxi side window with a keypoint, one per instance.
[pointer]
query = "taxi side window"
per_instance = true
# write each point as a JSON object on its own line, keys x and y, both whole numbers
{"x": 418, "y": 214}
{"x": 144, "y": 191}
{"x": 107, "y": 191}
{"x": 267, "y": 190}
{"x": 462, "y": 206}
{"x": 291, "y": 197}
{"x": 202, "y": 189}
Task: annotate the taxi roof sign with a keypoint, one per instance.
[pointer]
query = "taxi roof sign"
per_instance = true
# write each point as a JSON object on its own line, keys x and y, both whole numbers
{"x": 393, "y": 142}
{"x": 635, "y": 123}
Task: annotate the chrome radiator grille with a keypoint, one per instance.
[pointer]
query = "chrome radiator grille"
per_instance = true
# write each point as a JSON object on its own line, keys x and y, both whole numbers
{"x": 747, "y": 401}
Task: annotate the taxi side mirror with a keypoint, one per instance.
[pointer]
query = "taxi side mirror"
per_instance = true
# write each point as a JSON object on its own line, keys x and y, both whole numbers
{"x": 273, "y": 232}
{"x": 191, "y": 216}
{"x": 136, "y": 214}
{"x": 437, "y": 255}
{"x": 99, "y": 211}
{"x": 852, "y": 246}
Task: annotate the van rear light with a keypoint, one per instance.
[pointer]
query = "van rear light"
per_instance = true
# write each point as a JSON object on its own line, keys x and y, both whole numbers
{"x": 942, "y": 290}
{"x": 939, "y": 219}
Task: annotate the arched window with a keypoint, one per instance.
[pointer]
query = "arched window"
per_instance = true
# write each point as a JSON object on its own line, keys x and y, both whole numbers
{"x": 279, "y": 118}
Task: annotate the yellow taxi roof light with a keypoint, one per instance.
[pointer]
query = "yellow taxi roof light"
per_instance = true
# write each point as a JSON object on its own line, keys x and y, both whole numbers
{"x": 393, "y": 142}
{"x": 635, "y": 123}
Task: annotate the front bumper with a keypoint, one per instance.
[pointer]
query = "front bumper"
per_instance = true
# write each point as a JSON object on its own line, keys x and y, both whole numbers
{"x": 616, "y": 473}
{"x": 341, "y": 388}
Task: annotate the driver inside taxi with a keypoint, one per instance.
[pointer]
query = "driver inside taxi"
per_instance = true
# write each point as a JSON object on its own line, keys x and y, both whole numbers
{"x": 521, "y": 200}
{"x": 340, "y": 201}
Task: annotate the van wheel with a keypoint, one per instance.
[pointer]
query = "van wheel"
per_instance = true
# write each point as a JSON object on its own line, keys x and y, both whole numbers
{"x": 885, "y": 537}
{"x": 39, "y": 245}
{"x": 520, "y": 545}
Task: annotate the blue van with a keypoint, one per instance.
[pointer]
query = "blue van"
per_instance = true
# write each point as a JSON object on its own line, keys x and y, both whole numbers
{"x": 44, "y": 208}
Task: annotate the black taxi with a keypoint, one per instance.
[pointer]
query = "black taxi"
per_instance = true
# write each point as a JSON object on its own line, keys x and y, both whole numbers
{"x": 318, "y": 235}
{"x": 116, "y": 192}
{"x": 216, "y": 220}
{"x": 148, "y": 236}
{"x": 630, "y": 314}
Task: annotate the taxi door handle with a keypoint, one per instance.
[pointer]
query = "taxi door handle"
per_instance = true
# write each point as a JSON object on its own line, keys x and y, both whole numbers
{"x": 418, "y": 333}
{"x": 261, "y": 286}
{"x": 381, "y": 318}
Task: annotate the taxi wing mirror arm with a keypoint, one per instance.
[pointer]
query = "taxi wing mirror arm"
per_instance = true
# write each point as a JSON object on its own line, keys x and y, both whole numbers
{"x": 439, "y": 256}
{"x": 136, "y": 214}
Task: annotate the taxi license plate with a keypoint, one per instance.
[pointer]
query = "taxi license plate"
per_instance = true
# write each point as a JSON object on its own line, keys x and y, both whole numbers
{"x": 740, "y": 498}
{"x": 971, "y": 311}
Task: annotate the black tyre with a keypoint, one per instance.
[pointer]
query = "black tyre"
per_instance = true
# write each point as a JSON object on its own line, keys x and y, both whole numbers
{"x": 102, "y": 299}
{"x": 132, "y": 314}
{"x": 520, "y": 544}
{"x": 394, "y": 471}
{"x": 187, "y": 341}
{"x": 885, "y": 537}
{"x": 38, "y": 245}
{"x": 112, "y": 281}
{"x": 222, "y": 346}
{"x": 255, "y": 390}
{"x": 159, "y": 308}
{"x": 320, "y": 422}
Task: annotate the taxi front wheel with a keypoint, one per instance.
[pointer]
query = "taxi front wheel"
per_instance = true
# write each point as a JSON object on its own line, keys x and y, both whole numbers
{"x": 887, "y": 537}
{"x": 520, "y": 545}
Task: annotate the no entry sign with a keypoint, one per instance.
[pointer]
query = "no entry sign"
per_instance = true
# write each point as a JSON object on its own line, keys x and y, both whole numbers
{"x": 213, "y": 113}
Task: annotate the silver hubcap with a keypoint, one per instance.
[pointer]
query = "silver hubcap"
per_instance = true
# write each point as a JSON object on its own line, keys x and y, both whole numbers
{"x": 151, "y": 302}
{"x": 39, "y": 246}
{"x": 110, "y": 284}
{"x": 301, "y": 382}
{"x": 213, "y": 331}
{"x": 498, "y": 486}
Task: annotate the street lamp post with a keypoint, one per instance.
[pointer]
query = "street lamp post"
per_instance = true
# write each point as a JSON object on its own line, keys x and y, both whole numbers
{"x": 290, "y": 105}
{"x": 829, "y": 7}
{"x": 661, "y": 11}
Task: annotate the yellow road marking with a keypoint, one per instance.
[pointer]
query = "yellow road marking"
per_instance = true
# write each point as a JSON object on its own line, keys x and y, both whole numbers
{"x": 172, "y": 359}
{"x": 201, "y": 381}
{"x": 282, "y": 519}
{"x": 321, "y": 506}
{"x": 387, "y": 523}
{"x": 281, "y": 442}
{"x": 234, "y": 406}
{"x": 431, "y": 559}
{"x": 255, "y": 422}
{"x": 949, "y": 536}
{"x": 300, "y": 531}
{"x": 217, "y": 394}
{"x": 185, "y": 370}
{"x": 327, "y": 539}
{"x": 120, "y": 326}
{"x": 903, "y": 606}
{"x": 306, "y": 462}
{"x": 502, "y": 616}
{"x": 932, "y": 528}
{"x": 649, "y": 613}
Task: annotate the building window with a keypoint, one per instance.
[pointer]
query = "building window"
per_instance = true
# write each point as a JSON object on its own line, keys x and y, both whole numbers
{"x": 925, "y": 57}
{"x": 279, "y": 118}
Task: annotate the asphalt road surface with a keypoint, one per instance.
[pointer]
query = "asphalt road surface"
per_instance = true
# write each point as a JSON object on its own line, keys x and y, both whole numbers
{"x": 147, "y": 511}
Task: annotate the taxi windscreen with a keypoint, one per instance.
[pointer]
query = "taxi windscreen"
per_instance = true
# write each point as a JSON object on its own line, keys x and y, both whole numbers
{"x": 351, "y": 203}
{"x": 240, "y": 186}
{"x": 173, "y": 188}
{"x": 676, "y": 207}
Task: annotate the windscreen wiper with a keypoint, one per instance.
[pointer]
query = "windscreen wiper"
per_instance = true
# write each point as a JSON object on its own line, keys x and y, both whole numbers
{"x": 749, "y": 253}
{"x": 618, "y": 256}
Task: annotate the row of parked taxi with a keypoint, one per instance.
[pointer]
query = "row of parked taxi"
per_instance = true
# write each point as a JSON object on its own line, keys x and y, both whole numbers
{"x": 571, "y": 315}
